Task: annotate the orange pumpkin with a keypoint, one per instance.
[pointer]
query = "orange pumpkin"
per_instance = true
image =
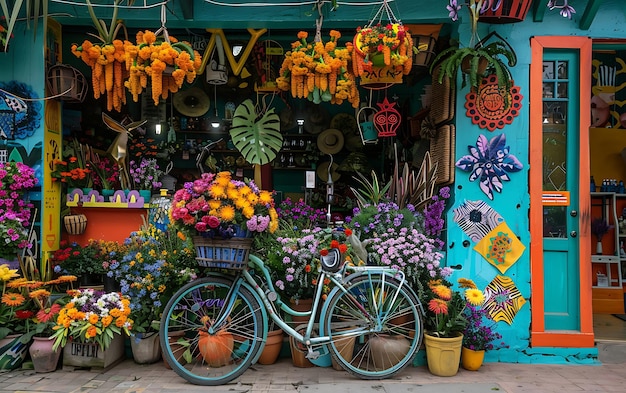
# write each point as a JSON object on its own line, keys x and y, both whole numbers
{"x": 216, "y": 349}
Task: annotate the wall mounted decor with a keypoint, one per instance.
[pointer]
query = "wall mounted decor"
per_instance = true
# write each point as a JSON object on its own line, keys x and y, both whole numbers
{"x": 476, "y": 219}
{"x": 500, "y": 247}
{"x": 387, "y": 119}
{"x": 502, "y": 299}
{"x": 489, "y": 108}
{"x": 490, "y": 162}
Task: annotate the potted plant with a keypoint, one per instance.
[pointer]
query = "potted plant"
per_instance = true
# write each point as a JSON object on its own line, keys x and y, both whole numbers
{"x": 93, "y": 319}
{"x": 477, "y": 337}
{"x": 476, "y": 62}
{"x": 84, "y": 261}
{"x": 599, "y": 227}
{"x": 445, "y": 323}
{"x": 145, "y": 175}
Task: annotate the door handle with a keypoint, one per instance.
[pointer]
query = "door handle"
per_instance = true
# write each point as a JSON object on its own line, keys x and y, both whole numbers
{"x": 573, "y": 234}
{"x": 573, "y": 213}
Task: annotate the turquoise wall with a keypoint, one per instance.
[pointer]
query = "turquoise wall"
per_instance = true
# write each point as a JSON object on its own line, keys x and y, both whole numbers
{"x": 513, "y": 202}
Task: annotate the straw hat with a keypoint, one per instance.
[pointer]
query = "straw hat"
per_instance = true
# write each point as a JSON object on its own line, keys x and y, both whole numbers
{"x": 330, "y": 141}
{"x": 316, "y": 119}
{"x": 322, "y": 171}
{"x": 287, "y": 120}
{"x": 346, "y": 123}
{"x": 192, "y": 102}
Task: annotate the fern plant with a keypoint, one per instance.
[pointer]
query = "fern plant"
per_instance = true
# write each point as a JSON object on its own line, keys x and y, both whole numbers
{"x": 451, "y": 60}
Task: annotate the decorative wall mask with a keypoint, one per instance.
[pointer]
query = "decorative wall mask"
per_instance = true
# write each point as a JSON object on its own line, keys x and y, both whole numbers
{"x": 500, "y": 247}
{"x": 489, "y": 108}
{"x": 502, "y": 299}
{"x": 476, "y": 219}
{"x": 490, "y": 162}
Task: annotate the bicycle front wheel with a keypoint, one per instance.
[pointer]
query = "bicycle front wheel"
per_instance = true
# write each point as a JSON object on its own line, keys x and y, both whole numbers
{"x": 375, "y": 326}
{"x": 200, "y": 348}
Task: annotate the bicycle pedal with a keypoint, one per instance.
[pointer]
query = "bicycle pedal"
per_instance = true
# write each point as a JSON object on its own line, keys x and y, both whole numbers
{"x": 312, "y": 354}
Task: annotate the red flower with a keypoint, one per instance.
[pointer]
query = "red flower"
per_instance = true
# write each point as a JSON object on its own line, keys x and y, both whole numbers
{"x": 24, "y": 314}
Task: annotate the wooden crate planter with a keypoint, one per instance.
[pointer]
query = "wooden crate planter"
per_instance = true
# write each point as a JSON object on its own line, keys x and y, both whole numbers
{"x": 92, "y": 355}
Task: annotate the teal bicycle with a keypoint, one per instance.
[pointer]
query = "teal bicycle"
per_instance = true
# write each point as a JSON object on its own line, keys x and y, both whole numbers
{"x": 215, "y": 327}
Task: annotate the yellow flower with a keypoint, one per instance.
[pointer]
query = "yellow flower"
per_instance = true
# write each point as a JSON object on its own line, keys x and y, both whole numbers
{"x": 474, "y": 296}
{"x": 444, "y": 292}
{"x": 466, "y": 283}
{"x": 227, "y": 213}
{"x": 6, "y": 274}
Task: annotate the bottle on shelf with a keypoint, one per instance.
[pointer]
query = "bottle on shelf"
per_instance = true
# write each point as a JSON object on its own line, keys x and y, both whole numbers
{"x": 593, "y": 185}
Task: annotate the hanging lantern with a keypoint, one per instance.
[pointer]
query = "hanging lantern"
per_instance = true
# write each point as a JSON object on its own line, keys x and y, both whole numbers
{"x": 387, "y": 119}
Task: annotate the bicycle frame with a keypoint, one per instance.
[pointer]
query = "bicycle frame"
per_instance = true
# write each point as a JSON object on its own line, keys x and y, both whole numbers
{"x": 271, "y": 299}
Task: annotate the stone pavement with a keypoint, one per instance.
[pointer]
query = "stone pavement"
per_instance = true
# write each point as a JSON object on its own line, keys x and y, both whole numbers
{"x": 609, "y": 375}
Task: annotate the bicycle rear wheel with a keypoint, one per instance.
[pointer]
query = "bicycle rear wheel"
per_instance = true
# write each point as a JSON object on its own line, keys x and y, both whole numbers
{"x": 382, "y": 342}
{"x": 202, "y": 352}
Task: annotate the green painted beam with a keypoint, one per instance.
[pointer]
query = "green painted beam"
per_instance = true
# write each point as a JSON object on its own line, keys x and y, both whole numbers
{"x": 539, "y": 10}
{"x": 589, "y": 14}
{"x": 186, "y": 6}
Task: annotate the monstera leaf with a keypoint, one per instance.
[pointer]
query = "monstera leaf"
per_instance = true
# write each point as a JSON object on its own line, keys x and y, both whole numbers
{"x": 256, "y": 136}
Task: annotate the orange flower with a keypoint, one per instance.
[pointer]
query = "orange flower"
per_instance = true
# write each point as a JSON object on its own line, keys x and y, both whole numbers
{"x": 442, "y": 291}
{"x": 438, "y": 306}
{"x": 13, "y": 299}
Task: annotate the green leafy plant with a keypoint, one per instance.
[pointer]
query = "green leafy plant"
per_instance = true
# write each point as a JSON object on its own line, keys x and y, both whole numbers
{"x": 410, "y": 188}
{"x": 481, "y": 60}
{"x": 371, "y": 191}
{"x": 256, "y": 135}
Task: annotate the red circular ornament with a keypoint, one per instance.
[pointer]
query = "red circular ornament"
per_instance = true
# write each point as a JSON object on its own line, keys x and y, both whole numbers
{"x": 487, "y": 107}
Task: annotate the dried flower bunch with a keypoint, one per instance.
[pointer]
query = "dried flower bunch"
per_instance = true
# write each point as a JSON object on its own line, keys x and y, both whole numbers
{"x": 151, "y": 56}
{"x": 116, "y": 64}
{"x": 599, "y": 227}
{"x": 318, "y": 71}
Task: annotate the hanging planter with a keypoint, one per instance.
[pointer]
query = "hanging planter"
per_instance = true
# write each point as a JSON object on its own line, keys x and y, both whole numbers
{"x": 66, "y": 83}
{"x": 506, "y": 11}
{"x": 383, "y": 51}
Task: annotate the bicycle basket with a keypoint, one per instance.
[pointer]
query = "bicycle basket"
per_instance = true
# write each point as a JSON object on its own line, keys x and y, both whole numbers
{"x": 222, "y": 253}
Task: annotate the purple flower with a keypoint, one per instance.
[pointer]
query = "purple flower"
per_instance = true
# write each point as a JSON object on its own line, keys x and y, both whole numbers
{"x": 454, "y": 9}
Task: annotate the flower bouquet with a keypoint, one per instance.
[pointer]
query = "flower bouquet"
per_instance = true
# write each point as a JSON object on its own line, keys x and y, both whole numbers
{"x": 319, "y": 71}
{"x": 72, "y": 172}
{"x": 218, "y": 206}
{"x": 107, "y": 174}
{"x": 93, "y": 316}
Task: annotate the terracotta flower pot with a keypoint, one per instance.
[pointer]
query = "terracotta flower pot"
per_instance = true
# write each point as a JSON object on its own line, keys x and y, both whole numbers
{"x": 216, "y": 349}
{"x": 272, "y": 347}
{"x": 45, "y": 359}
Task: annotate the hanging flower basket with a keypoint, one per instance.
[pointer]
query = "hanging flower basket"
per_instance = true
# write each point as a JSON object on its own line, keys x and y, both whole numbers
{"x": 383, "y": 54}
{"x": 509, "y": 11}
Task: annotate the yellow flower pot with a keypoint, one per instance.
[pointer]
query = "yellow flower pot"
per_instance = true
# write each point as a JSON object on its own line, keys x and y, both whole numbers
{"x": 443, "y": 354}
{"x": 472, "y": 360}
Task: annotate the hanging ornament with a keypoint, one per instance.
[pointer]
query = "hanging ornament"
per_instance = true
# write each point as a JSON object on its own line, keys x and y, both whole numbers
{"x": 387, "y": 119}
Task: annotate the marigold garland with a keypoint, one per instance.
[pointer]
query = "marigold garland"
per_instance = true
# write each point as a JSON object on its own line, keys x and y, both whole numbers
{"x": 319, "y": 71}
{"x": 151, "y": 57}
